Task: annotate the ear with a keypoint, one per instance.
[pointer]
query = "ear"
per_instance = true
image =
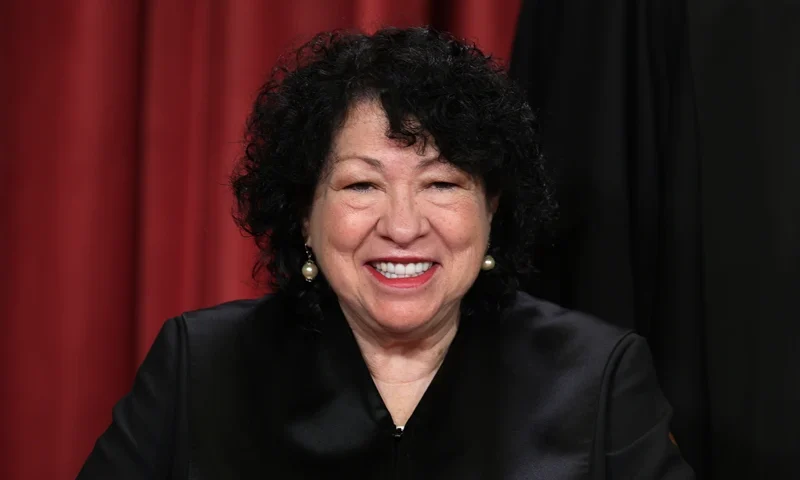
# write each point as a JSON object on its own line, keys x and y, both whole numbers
{"x": 494, "y": 202}
{"x": 306, "y": 236}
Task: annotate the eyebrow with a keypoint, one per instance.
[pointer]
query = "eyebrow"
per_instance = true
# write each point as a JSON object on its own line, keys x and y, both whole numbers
{"x": 375, "y": 163}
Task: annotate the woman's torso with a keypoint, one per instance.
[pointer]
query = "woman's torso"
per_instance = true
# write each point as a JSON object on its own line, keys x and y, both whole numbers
{"x": 518, "y": 396}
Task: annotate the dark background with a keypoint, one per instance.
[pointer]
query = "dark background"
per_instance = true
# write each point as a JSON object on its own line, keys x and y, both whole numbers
{"x": 672, "y": 129}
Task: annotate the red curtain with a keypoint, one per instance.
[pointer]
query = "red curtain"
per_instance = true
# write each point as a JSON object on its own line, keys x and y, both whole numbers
{"x": 120, "y": 123}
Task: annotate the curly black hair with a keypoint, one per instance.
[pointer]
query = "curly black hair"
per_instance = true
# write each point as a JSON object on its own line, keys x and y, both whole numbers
{"x": 430, "y": 85}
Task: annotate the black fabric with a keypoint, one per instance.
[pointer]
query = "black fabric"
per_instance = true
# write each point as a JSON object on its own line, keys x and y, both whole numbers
{"x": 746, "y": 59}
{"x": 671, "y": 132}
{"x": 541, "y": 393}
{"x": 612, "y": 84}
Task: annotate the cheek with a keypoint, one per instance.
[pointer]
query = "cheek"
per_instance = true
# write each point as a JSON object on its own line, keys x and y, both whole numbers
{"x": 341, "y": 226}
{"x": 464, "y": 228}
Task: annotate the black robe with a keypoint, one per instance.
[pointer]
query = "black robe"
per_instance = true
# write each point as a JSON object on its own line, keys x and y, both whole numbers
{"x": 244, "y": 390}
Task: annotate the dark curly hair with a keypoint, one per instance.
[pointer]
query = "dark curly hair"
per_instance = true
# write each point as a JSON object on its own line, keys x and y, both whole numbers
{"x": 430, "y": 85}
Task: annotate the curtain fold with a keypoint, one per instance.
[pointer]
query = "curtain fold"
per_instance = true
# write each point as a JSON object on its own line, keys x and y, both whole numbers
{"x": 671, "y": 129}
{"x": 613, "y": 87}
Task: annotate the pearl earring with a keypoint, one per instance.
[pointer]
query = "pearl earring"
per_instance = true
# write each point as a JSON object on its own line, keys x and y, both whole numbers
{"x": 488, "y": 260}
{"x": 309, "y": 269}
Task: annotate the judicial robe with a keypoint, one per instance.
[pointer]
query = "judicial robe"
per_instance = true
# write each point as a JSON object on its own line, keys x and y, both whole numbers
{"x": 249, "y": 390}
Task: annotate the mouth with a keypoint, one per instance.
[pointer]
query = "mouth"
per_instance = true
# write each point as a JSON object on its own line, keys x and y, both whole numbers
{"x": 401, "y": 270}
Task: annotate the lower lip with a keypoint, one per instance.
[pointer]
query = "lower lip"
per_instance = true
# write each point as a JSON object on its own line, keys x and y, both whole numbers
{"x": 408, "y": 282}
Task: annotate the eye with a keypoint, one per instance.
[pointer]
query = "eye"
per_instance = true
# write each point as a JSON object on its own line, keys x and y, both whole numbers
{"x": 360, "y": 186}
{"x": 443, "y": 185}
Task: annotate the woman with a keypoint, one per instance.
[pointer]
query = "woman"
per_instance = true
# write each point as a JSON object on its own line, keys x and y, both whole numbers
{"x": 395, "y": 187}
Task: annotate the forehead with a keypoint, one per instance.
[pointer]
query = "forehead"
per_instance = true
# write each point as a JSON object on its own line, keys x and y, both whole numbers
{"x": 364, "y": 123}
{"x": 364, "y": 134}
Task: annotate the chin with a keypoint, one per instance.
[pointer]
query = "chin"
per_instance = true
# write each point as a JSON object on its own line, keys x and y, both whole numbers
{"x": 401, "y": 317}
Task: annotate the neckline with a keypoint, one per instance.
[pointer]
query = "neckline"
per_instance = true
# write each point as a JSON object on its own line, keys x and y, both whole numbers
{"x": 369, "y": 389}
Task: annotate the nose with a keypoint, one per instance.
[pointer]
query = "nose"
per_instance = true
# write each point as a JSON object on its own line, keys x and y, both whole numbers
{"x": 402, "y": 221}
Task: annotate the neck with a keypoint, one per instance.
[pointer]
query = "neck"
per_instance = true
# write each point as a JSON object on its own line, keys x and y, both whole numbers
{"x": 405, "y": 359}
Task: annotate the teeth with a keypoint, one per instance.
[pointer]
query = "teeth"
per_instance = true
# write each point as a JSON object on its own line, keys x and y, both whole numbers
{"x": 400, "y": 270}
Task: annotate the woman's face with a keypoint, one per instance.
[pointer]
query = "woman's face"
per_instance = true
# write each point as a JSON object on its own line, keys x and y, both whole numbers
{"x": 399, "y": 235}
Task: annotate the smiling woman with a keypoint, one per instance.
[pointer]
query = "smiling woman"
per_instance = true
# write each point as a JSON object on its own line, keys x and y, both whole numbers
{"x": 383, "y": 202}
{"x": 345, "y": 111}
{"x": 395, "y": 343}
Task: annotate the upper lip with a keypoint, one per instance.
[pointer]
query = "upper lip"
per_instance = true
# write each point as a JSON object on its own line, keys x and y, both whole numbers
{"x": 402, "y": 260}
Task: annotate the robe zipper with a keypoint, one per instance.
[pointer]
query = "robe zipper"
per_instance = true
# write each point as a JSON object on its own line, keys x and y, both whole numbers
{"x": 397, "y": 434}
